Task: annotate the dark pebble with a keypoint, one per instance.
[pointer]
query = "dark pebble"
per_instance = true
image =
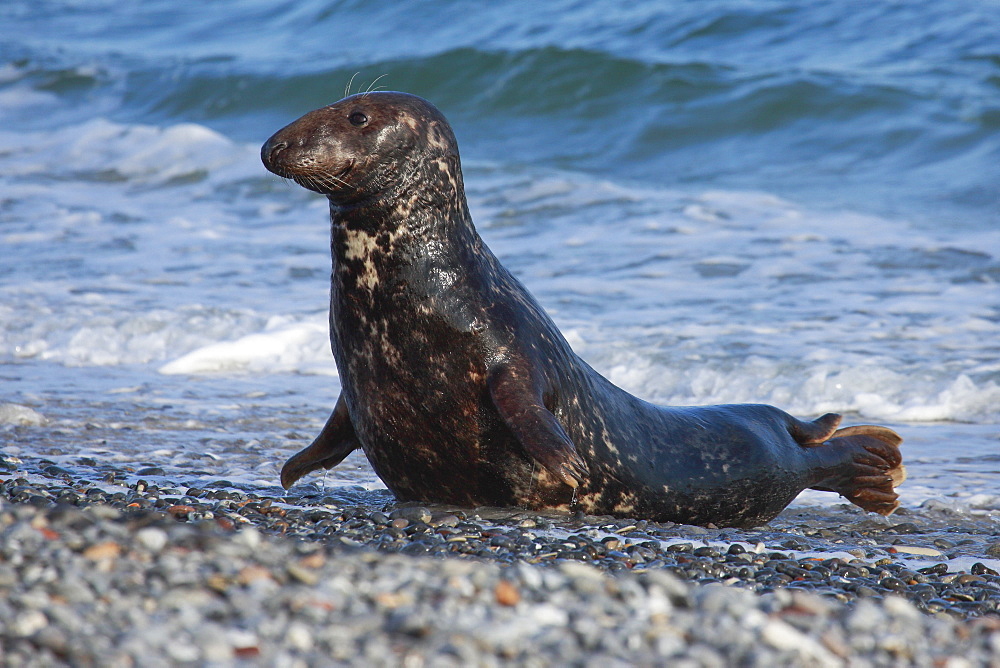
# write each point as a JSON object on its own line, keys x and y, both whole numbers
{"x": 795, "y": 544}
{"x": 923, "y": 591}
{"x": 416, "y": 548}
{"x": 936, "y": 569}
{"x": 502, "y": 541}
{"x": 893, "y": 584}
{"x": 960, "y": 596}
{"x": 979, "y": 568}
{"x": 906, "y": 527}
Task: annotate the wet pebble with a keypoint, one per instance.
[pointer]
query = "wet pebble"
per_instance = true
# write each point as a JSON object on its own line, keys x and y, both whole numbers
{"x": 412, "y": 514}
{"x": 209, "y": 541}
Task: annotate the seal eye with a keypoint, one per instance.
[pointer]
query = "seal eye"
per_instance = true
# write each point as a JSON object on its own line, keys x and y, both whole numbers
{"x": 358, "y": 118}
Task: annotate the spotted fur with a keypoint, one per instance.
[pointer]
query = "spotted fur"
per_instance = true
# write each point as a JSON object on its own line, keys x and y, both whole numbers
{"x": 461, "y": 390}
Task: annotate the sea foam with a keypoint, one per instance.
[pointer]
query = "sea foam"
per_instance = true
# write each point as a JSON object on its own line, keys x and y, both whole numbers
{"x": 283, "y": 347}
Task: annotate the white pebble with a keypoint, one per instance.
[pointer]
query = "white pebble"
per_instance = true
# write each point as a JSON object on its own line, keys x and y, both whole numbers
{"x": 957, "y": 662}
{"x": 897, "y": 606}
{"x": 579, "y": 571}
{"x": 241, "y": 638}
{"x": 785, "y": 637}
{"x": 152, "y": 538}
{"x": 183, "y": 652}
{"x": 250, "y": 537}
{"x": 299, "y": 637}
{"x": 915, "y": 549}
{"x": 28, "y": 623}
{"x": 549, "y": 615}
{"x": 865, "y": 617}
{"x": 530, "y": 576}
{"x": 657, "y": 602}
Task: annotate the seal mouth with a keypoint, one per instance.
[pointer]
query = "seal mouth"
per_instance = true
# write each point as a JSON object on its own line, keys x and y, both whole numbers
{"x": 323, "y": 182}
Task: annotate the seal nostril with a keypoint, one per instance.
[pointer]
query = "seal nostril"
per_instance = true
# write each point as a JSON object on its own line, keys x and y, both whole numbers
{"x": 276, "y": 149}
{"x": 270, "y": 150}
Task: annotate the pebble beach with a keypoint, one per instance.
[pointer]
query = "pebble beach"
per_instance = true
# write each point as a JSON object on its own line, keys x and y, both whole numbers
{"x": 121, "y": 572}
{"x": 790, "y": 203}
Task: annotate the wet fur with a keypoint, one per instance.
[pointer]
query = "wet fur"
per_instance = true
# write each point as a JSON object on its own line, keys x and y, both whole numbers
{"x": 460, "y": 389}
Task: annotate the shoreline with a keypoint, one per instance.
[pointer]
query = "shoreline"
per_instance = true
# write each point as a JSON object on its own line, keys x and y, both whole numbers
{"x": 234, "y": 576}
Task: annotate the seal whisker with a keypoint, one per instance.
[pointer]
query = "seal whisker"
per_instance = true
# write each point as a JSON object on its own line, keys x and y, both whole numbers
{"x": 531, "y": 480}
{"x": 331, "y": 180}
{"x": 304, "y": 181}
{"x": 372, "y": 86}
{"x": 314, "y": 181}
{"x": 347, "y": 91}
{"x": 321, "y": 182}
{"x": 337, "y": 179}
{"x": 328, "y": 181}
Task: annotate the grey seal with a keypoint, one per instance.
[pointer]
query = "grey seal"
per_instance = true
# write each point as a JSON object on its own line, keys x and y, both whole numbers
{"x": 460, "y": 389}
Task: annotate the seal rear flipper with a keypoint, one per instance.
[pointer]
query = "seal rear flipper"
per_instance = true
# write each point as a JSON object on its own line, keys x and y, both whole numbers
{"x": 874, "y": 468}
{"x": 816, "y": 432}
{"x": 334, "y": 443}
{"x": 543, "y": 438}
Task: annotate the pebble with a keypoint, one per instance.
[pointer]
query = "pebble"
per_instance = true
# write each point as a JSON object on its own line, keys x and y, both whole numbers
{"x": 102, "y": 551}
{"x": 207, "y": 575}
{"x": 152, "y": 538}
{"x": 915, "y": 549}
{"x": 506, "y": 593}
{"x": 412, "y": 514}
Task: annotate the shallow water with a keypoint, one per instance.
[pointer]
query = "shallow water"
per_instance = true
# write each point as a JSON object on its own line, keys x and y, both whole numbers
{"x": 787, "y": 203}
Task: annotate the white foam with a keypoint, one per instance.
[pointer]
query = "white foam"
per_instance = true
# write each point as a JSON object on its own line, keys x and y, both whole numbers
{"x": 172, "y": 249}
{"x": 283, "y": 346}
{"x": 100, "y": 338}
{"x": 106, "y": 150}
{"x": 15, "y": 414}
{"x": 21, "y": 98}
{"x": 800, "y": 387}
{"x": 805, "y": 322}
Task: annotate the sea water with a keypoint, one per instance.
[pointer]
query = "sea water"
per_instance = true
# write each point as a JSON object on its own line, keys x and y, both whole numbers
{"x": 793, "y": 203}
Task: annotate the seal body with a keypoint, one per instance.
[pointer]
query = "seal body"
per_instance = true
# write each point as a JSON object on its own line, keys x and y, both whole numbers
{"x": 461, "y": 390}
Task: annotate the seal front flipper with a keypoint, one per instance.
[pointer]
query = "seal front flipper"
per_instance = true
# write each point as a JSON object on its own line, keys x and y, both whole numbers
{"x": 520, "y": 405}
{"x": 336, "y": 441}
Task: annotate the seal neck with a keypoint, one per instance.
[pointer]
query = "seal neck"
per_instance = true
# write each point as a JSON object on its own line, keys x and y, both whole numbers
{"x": 403, "y": 230}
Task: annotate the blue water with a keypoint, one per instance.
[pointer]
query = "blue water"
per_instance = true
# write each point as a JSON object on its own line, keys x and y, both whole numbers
{"x": 788, "y": 202}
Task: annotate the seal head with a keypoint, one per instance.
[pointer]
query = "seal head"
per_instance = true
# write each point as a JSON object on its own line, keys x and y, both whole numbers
{"x": 369, "y": 145}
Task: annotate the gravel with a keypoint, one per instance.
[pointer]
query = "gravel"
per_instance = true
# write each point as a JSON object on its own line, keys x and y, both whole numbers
{"x": 114, "y": 570}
